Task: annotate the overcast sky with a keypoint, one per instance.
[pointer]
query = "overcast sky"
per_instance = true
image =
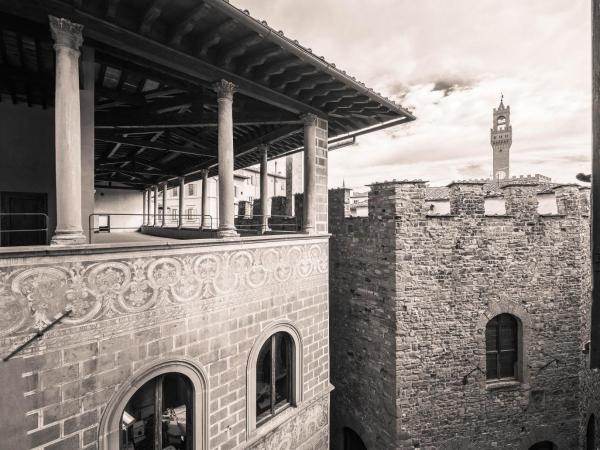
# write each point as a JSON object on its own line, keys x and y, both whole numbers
{"x": 449, "y": 61}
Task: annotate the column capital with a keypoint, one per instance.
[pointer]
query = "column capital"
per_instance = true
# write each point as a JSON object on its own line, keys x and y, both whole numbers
{"x": 65, "y": 33}
{"x": 309, "y": 119}
{"x": 224, "y": 89}
{"x": 180, "y": 179}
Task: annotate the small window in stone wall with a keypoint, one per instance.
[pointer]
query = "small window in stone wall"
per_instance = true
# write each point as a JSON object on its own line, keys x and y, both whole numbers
{"x": 501, "y": 341}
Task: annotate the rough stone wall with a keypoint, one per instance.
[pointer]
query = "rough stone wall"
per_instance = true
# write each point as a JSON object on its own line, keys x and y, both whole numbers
{"x": 134, "y": 309}
{"x": 449, "y": 276}
{"x": 362, "y": 293}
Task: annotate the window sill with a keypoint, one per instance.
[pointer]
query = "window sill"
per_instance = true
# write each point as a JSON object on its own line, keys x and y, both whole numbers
{"x": 502, "y": 385}
{"x": 273, "y": 422}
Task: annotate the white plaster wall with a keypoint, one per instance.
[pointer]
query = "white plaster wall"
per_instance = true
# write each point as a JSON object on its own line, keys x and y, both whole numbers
{"x": 124, "y": 201}
{"x": 547, "y": 204}
{"x": 27, "y": 152}
{"x": 494, "y": 206}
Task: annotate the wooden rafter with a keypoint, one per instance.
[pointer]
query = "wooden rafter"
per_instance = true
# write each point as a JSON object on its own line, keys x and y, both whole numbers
{"x": 187, "y": 25}
{"x": 152, "y": 145}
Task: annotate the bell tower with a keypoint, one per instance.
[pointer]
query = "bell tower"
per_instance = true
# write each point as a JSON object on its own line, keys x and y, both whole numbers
{"x": 501, "y": 139}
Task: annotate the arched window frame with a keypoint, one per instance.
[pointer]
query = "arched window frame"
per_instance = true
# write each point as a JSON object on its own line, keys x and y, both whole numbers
{"x": 523, "y": 336}
{"x": 296, "y": 383}
{"x": 109, "y": 429}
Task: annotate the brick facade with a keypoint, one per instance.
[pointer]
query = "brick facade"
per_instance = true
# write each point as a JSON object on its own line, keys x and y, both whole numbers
{"x": 201, "y": 305}
{"x": 411, "y": 295}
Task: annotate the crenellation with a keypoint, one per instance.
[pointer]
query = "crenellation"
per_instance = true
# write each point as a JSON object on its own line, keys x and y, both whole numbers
{"x": 568, "y": 200}
{"x": 467, "y": 198}
{"x": 419, "y": 287}
{"x": 521, "y": 199}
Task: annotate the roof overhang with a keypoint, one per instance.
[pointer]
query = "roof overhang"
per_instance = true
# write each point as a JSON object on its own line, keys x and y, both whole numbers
{"x": 155, "y": 64}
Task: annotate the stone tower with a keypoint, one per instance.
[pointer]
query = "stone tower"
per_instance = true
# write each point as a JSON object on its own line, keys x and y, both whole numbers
{"x": 501, "y": 139}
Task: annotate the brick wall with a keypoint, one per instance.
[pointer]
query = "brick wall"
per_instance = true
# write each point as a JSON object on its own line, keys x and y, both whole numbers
{"x": 205, "y": 304}
{"x": 321, "y": 178}
{"x": 433, "y": 282}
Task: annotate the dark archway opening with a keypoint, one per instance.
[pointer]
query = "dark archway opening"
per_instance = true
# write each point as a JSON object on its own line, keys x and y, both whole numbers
{"x": 544, "y": 445}
{"x": 590, "y": 434}
{"x": 352, "y": 440}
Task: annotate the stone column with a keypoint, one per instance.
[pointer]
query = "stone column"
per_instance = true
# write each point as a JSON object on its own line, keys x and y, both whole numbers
{"x": 67, "y": 125}
{"x": 148, "y": 221}
{"x": 204, "y": 221}
{"x": 289, "y": 185}
{"x": 144, "y": 207}
{"x": 310, "y": 176}
{"x": 181, "y": 189}
{"x": 264, "y": 189}
{"x": 225, "y": 91}
{"x": 164, "y": 205}
{"x": 155, "y": 220}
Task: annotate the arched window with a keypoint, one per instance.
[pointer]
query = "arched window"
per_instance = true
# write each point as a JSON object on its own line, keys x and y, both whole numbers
{"x": 590, "y": 435}
{"x": 352, "y": 440}
{"x": 274, "y": 377}
{"x": 501, "y": 123}
{"x": 544, "y": 445}
{"x": 502, "y": 347}
{"x": 159, "y": 415}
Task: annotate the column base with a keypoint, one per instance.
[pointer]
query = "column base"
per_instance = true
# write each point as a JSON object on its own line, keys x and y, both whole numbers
{"x": 227, "y": 233}
{"x": 63, "y": 238}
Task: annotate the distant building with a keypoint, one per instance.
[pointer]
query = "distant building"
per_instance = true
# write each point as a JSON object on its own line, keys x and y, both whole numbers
{"x": 501, "y": 139}
{"x": 246, "y": 188}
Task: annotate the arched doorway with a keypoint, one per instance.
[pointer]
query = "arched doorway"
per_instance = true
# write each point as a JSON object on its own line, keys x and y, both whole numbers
{"x": 159, "y": 415}
{"x": 352, "y": 440}
{"x": 590, "y": 434}
{"x": 544, "y": 445}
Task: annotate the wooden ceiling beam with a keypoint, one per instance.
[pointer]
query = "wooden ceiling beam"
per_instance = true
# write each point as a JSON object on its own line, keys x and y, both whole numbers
{"x": 143, "y": 162}
{"x": 258, "y": 59}
{"x": 152, "y": 145}
{"x": 111, "y": 8}
{"x": 139, "y": 120}
{"x": 293, "y": 76}
{"x": 214, "y": 36}
{"x": 239, "y": 47}
{"x": 277, "y": 68}
{"x": 154, "y": 55}
{"x": 151, "y": 15}
{"x": 309, "y": 84}
{"x": 187, "y": 25}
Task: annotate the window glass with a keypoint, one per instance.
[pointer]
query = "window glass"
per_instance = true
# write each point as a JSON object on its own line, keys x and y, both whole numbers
{"x": 273, "y": 376}
{"x": 501, "y": 341}
{"x": 263, "y": 381}
{"x": 159, "y": 415}
{"x": 282, "y": 366}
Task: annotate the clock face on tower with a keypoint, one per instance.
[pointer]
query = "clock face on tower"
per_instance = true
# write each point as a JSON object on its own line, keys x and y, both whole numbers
{"x": 501, "y": 175}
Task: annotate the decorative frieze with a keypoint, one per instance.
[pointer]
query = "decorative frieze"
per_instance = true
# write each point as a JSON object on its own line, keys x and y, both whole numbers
{"x": 31, "y": 296}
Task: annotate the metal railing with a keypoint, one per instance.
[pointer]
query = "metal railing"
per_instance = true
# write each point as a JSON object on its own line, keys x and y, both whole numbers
{"x": 105, "y": 222}
{"x": 4, "y": 230}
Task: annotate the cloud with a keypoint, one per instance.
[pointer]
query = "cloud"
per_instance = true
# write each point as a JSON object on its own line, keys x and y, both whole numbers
{"x": 447, "y": 86}
{"x": 450, "y": 61}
